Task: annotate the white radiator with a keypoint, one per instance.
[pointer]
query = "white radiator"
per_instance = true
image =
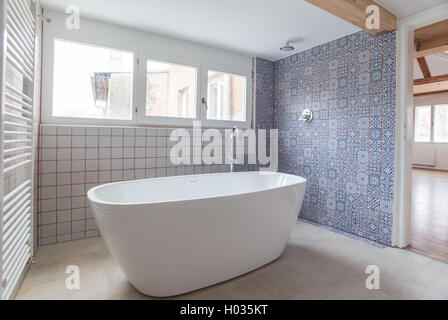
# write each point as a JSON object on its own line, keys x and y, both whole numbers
{"x": 424, "y": 155}
{"x": 17, "y": 27}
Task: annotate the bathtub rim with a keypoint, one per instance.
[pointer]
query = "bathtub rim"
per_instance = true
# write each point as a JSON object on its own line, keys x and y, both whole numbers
{"x": 93, "y": 198}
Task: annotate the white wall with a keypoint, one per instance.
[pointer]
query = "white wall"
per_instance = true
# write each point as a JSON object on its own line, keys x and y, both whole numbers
{"x": 440, "y": 148}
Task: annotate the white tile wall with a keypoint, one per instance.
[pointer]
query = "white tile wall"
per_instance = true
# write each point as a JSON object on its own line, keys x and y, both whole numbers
{"x": 74, "y": 159}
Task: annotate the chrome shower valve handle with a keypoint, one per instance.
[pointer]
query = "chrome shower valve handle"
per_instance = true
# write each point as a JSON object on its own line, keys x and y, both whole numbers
{"x": 307, "y": 115}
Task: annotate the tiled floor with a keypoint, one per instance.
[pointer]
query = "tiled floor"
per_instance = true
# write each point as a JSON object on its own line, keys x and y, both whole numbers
{"x": 429, "y": 221}
{"x": 317, "y": 264}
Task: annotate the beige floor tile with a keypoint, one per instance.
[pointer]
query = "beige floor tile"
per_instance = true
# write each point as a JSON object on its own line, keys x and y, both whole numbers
{"x": 316, "y": 264}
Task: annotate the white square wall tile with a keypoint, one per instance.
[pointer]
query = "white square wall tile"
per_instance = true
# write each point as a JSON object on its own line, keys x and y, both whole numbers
{"x": 48, "y": 166}
{"x": 64, "y": 130}
{"x": 91, "y": 153}
{"x": 78, "y": 190}
{"x": 48, "y": 179}
{"x": 105, "y": 141}
{"x": 63, "y": 178}
{"x": 78, "y": 141}
{"x": 91, "y": 141}
{"x": 104, "y": 153}
{"x": 104, "y": 131}
{"x": 48, "y": 205}
{"x": 64, "y": 215}
{"x": 64, "y": 166}
{"x": 92, "y": 177}
{"x": 78, "y": 177}
{"x": 48, "y": 218}
{"x": 78, "y": 131}
{"x": 47, "y": 192}
{"x": 103, "y": 176}
{"x": 64, "y": 191}
{"x": 64, "y": 153}
{"x": 49, "y": 141}
{"x": 91, "y": 165}
{"x": 48, "y": 154}
{"x": 78, "y": 154}
{"x": 48, "y": 130}
{"x": 117, "y": 131}
{"x": 92, "y": 131}
{"x": 64, "y": 228}
{"x": 78, "y": 202}
{"x": 48, "y": 230}
{"x": 64, "y": 203}
{"x": 78, "y": 165}
{"x": 78, "y": 214}
{"x": 117, "y": 153}
{"x": 104, "y": 164}
{"x": 64, "y": 141}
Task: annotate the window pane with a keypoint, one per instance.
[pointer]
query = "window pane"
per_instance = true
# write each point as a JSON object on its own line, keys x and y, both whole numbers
{"x": 226, "y": 96}
{"x": 171, "y": 90}
{"x": 422, "y": 130}
{"x": 92, "y": 82}
{"x": 441, "y": 123}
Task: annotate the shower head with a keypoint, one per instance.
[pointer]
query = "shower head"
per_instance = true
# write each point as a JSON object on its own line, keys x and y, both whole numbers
{"x": 288, "y": 47}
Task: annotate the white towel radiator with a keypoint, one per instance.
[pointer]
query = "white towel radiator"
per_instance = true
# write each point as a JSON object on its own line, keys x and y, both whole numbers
{"x": 17, "y": 68}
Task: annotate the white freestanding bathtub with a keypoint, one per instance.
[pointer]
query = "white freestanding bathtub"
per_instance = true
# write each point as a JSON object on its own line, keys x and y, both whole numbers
{"x": 178, "y": 234}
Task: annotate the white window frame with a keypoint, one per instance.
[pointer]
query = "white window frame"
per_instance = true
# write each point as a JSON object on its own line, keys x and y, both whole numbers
{"x": 206, "y": 67}
{"x": 139, "y": 117}
{"x": 48, "y": 87}
{"x": 431, "y": 129}
{"x": 433, "y": 113}
{"x": 142, "y": 118}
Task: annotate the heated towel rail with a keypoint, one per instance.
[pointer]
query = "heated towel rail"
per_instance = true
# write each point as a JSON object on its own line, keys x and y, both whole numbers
{"x": 17, "y": 67}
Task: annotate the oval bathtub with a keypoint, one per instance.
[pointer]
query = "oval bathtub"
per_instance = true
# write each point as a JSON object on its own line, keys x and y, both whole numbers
{"x": 178, "y": 234}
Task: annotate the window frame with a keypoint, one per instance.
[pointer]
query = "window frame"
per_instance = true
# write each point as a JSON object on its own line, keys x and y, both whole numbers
{"x": 142, "y": 118}
{"x": 432, "y": 108}
{"x": 48, "y": 80}
{"x": 206, "y": 67}
{"x": 140, "y": 55}
{"x": 431, "y": 126}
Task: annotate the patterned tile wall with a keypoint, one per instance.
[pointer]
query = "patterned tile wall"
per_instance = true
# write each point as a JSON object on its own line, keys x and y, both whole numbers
{"x": 264, "y": 79}
{"x": 347, "y": 152}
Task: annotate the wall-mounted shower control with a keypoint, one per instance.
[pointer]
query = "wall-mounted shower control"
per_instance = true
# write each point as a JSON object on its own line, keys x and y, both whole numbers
{"x": 307, "y": 115}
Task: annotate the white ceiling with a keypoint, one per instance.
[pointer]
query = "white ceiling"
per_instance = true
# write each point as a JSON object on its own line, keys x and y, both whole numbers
{"x": 254, "y": 27}
{"x": 404, "y": 8}
{"x": 437, "y": 64}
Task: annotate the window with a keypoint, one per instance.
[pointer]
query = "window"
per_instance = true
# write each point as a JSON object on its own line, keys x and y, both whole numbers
{"x": 422, "y": 124}
{"x": 170, "y": 90}
{"x": 92, "y": 82}
{"x": 124, "y": 85}
{"x": 441, "y": 123}
{"x": 226, "y": 96}
{"x": 431, "y": 123}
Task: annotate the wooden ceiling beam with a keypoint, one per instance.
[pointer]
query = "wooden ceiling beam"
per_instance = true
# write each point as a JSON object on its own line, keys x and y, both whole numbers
{"x": 354, "y": 11}
{"x": 433, "y": 87}
{"x": 428, "y": 93}
{"x": 432, "y": 39}
{"x": 432, "y": 46}
{"x": 431, "y": 80}
{"x": 424, "y": 67}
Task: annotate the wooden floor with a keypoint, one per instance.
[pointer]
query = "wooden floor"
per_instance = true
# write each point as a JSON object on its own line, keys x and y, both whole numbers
{"x": 429, "y": 223}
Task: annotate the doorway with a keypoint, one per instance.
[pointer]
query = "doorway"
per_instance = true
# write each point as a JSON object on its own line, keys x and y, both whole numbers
{"x": 428, "y": 201}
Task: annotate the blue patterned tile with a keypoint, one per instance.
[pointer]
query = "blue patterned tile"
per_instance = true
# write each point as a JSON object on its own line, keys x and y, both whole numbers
{"x": 347, "y": 152}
